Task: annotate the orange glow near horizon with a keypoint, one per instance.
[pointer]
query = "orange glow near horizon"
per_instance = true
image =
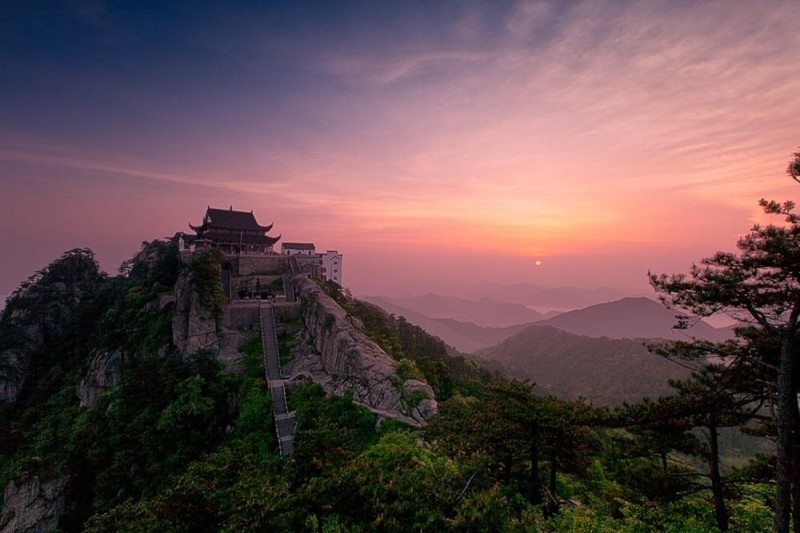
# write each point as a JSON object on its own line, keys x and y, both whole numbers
{"x": 577, "y": 135}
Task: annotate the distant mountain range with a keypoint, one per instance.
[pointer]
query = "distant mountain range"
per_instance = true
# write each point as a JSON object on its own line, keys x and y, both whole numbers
{"x": 463, "y": 336}
{"x": 547, "y": 297}
{"x": 466, "y": 328}
{"x": 486, "y": 312}
{"x": 597, "y": 352}
{"x": 631, "y": 318}
{"x": 603, "y": 370}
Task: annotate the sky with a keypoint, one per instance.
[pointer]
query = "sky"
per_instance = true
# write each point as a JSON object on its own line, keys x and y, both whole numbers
{"x": 435, "y": 144}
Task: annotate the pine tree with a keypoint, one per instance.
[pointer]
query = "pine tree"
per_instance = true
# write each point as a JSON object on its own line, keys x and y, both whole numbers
{"x": 759, "y": 285}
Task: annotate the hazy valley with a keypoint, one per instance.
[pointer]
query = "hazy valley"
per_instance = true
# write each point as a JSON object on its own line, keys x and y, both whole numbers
{"x": 598, "y": 352}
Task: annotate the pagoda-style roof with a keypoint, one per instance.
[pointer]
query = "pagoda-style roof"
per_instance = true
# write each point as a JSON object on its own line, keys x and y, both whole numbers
{"x": 228, "y": 221}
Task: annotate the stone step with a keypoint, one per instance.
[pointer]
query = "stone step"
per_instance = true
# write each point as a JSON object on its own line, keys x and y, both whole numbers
{"x": 287, "y": 447}
{"x": 285, "y": 427}
{"x": 279, "y": 401}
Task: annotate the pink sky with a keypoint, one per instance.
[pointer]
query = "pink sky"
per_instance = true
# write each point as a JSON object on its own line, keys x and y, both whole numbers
{"x": 602, "y": 139}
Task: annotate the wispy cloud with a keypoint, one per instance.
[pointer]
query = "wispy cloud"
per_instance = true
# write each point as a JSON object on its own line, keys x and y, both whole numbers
{"x": 54, "y": 160}
{"x": 523, "y": 125}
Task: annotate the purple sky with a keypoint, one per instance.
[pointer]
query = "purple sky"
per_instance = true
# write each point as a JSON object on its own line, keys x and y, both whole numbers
{"x": 434, "y": 144}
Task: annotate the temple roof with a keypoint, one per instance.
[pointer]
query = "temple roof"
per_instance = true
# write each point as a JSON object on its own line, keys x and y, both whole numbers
{"x": 229, "y": 219}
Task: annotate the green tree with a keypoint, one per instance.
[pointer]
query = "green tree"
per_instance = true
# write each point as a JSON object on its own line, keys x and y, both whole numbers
{"x": 711, "y": 400}
{"x": 760, "y": 285}
{"x": 506, "y": 432}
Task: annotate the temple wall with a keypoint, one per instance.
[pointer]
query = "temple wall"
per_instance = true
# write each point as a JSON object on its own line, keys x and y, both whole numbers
{"x": 240, "y": 316}
{"x": 259, "y": 264}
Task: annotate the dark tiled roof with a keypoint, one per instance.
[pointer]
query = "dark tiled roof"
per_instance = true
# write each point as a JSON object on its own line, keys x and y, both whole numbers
{"x": 230, "y": 219}
{"x": 298, "y": 245}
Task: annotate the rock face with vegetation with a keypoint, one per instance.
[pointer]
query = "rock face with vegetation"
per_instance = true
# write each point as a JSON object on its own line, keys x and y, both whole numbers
{"x": 32, "y": 505}
{"x": 104, "y": 373}
{"x": 65, "y": 336}
{"x": 14, "y": 366}
{"x": 194, "y": 326}
{"x": 45, "y": 310}
{"x": 352, "y": 362}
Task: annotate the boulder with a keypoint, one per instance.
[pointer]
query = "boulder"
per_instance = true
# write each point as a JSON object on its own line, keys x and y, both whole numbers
{"x": 419, "y": 399}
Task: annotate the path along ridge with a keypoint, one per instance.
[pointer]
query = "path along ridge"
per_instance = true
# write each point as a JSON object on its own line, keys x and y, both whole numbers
{"x": 284, "y": 420}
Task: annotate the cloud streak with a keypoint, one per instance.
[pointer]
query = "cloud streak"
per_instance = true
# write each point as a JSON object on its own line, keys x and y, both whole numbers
{"x": 531, "y": 127}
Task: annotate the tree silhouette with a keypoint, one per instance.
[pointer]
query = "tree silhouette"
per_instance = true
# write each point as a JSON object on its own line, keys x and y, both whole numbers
{"x": 759, "y": 285}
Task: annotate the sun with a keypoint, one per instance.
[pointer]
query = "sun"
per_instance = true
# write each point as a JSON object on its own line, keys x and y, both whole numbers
{"x": 538, "y": 262}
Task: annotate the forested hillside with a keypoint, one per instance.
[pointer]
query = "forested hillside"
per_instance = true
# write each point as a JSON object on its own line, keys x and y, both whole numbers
{"x": 465, "y": 337}
{"x": 605, "y": 371}
{"x": 634, "y": 318}
{"x": 106, "y": 425}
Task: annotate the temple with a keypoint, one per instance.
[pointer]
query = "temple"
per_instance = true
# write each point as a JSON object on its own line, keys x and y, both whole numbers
{"x": 231, "y": 232}
{"x": 251, "y": 265}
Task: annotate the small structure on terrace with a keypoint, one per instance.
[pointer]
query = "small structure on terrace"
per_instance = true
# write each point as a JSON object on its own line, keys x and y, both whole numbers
{"x": 298, "y": 248}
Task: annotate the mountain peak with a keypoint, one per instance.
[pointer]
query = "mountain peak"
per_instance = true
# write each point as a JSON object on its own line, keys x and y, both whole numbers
{"x": 632, "y": 317}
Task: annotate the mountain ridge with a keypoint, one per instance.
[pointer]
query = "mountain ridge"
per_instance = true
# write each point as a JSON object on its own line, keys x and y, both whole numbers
{"x": 486, "y": 312}
{"x": 603, "y": 370}
{"x": 633, "y": 318}
{"x": 561, "y": 297}
{"x": 465, "y": 337}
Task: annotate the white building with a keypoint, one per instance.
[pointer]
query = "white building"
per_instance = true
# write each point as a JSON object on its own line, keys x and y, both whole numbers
{"x": 332, "y": 266}
{"x": 298, "y": 248}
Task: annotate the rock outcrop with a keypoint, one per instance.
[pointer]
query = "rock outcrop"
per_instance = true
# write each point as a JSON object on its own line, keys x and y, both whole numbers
{"x": 194, "y": 326}
{"x": 27, "y": 338}
{"x": 33, "y": 505}
{"x": 352, "y": 362}
{"x": 38, "y": 316}
{"x": 104, "y": 372}
{"x": 419, "y": 398}
{"x": 14, "y": 367}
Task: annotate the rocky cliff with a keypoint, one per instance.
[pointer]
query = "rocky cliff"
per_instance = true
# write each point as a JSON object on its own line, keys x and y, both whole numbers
{"x": 194, "y": 325}
{"x": 200, "y": 323}
{"x": 104, "y": 373}
{"x": 40, "y": 320}
{"x": 32, "y": 505}
{"x": 348, "y": 360}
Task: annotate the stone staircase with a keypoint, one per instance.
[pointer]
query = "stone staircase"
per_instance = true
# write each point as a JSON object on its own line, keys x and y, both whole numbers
{"x": 284, "y": 420}
{"x": 294, "y": 265}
